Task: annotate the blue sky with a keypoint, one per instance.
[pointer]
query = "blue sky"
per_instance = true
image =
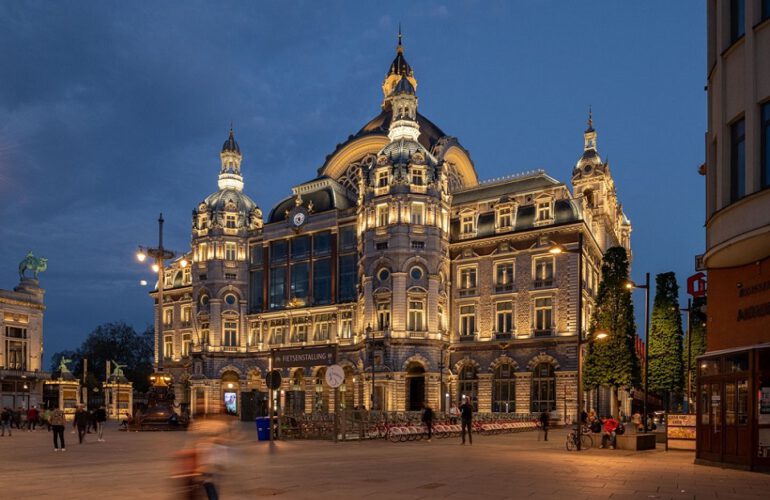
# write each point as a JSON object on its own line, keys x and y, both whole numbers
{"x": 111, "y": 112}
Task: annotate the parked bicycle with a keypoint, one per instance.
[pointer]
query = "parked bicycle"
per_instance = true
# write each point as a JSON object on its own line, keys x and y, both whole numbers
{"x": 586, "y": 441}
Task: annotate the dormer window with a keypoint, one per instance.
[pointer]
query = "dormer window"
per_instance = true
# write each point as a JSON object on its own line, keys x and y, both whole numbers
{"x": 382, "y": 179}
{"x": 544, "y": 212}
{"x": 230, "y": 221}
{"x": 467, "y": 225}
{"x": 504, "y": 218}
{"x": 418, "y": 177}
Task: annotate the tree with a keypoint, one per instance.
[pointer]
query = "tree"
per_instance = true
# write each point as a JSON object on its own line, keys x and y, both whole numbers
{"x": 612, "y": 360}
{"x": 665, "y": 371}
{"x": 108, "y": 342}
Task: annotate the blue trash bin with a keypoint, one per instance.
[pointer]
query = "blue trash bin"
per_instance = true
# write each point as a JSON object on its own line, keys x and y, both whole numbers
{"x": 263, "y": 428}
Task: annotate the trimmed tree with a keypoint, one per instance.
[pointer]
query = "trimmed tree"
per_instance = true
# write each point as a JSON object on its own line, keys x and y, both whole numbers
{"x": 665, "y": 345}
{"x": 697, "y": 341}
{"x": 612, "y": 360}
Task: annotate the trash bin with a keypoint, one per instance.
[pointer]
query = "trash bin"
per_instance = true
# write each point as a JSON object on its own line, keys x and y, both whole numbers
{"x": 263, "y": 428}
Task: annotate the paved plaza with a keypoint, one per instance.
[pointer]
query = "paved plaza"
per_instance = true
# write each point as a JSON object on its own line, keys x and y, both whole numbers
{"x": 137, "y": 465}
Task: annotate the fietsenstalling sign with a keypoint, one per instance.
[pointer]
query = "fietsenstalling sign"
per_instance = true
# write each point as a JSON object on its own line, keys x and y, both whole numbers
{"x": 304, "y": 356}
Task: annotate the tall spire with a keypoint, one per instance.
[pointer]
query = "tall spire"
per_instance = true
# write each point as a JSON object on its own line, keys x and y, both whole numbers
{"x": 398, "y": 68}
{"x": 230, "y": 171}
{"x": 400, "y": 48}
{"x": 589, "y": 136}
{"x": 590, "y": 119}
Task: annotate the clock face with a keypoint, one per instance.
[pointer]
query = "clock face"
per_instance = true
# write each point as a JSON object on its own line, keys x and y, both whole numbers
{"x": 298, "y": 219}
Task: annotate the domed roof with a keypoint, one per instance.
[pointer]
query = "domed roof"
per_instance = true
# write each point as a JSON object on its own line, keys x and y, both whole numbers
{"x": 230, "y": 144}
{"x": 399, "y": 66}
{"x": 590, "y": 158}
{"x": 402, "y": 151}
{"x": 380, "y": 124}
{"x": 225, "y": 198}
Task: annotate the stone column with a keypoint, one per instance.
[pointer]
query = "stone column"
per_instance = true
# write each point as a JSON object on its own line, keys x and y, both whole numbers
{"x": 398, "y": 303}
{"x": 215, "y": 323}
{"x": 523, "y": 390}
{"x": 485, "y": 393}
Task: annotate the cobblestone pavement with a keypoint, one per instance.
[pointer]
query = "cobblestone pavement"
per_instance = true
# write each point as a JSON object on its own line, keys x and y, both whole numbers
{"x": 137, "y": 466}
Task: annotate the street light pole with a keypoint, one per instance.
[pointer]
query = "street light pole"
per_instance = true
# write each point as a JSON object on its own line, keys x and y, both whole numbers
{"x": 370, "y": 340}
{"x": 689, "y": 347}
{"x": 646, "y": 287}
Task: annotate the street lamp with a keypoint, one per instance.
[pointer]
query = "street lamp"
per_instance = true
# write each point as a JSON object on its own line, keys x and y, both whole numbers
{"x": 557, "y": 250}
{"x": 631, "y": 285}
{"x": 370, "y": 340}
{"x": 160, "y": 255}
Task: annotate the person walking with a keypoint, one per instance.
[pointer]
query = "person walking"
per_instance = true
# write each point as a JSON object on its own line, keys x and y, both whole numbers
{"x": 81, "y": 422}
{"x": 466, "y": 419}
{"x": 545, "y": 422}
{"x": 100, "y": 415}
{"x": 5, "y": 421}
{"x": 57, "y": 426}
{"x": 427, "y": 419}
{"x": 32, "y": 415}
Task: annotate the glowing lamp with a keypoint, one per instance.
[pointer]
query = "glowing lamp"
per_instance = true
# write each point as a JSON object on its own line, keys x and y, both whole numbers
{"x": 141, "y": 256}
{"x": 183, "y": 262}
{"x": 155, "y": 268}
{"x": 143, "y": 282}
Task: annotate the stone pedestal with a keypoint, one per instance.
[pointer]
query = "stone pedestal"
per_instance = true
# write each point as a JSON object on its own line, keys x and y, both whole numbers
{"x": 119, "y": 398}
{"x": 62, "y": 393}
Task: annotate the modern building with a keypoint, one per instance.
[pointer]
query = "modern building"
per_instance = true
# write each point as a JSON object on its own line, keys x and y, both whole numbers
{"x": 734, "y": 375}
{"x": 399, "y": 255}
{"x": 21, "y": 352}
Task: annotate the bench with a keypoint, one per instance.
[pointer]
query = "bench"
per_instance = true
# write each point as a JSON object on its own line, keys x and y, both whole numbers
{"x": 635, "y": 442}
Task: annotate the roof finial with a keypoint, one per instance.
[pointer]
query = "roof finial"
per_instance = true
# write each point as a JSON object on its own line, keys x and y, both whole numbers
{"x": 400, "y": 47}
{"x": 590, "y": 117}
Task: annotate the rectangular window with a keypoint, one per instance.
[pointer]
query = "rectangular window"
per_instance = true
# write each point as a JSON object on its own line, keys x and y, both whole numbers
{"x": 255, "y": 255}
{"x": 383, "y": 315}
{"x": 230, "y": 221}
{"x": 418, "y": 245}
{"x": 168, "y": 317}
{"x": 168, "y": 346}
{"x": 322, "y": 281}
{"x": 348, "y": 240}
{"x": 544, "y": 211}
{"x": 15, "y": 332}
{"x": 765, "y": 140}
{"x": 418, "y": 177}
{"x": 322, "y": 327}
{"x": 300, "y": 247}
{"x": 765, "y": 9}
{"x": 543, "y": 316}
{"x": 348, "y": 278}
{"x": 230, "y": 251}
{"x": 382, "y": 179}
{"x": 416, "y": 316}
{"x": 203, "y": 252}
{"x": 346, "y": 325}
{"x": 737, "y": 19}
{"x": 383, "y": 245}
{"x": 418, "y": 213}
{"x": 16, "y": 354}
{"x": 544, "y": 267}
{"x": 467, "y": 282}
{"x": 300, "y": 275}
{"x": 278, "y": 251}
{"x": 300, "y": 333}
{"x": 504, "y": 312}
{"x": 737, "y": 160}
{"x": 382, "y": 215}
{"x": 467, "y": 321}
{"x": 322, "y": 243}
{"x": 231, "y": 276}
{"x": 186, "y": 343}
{"x": 504, "y": 277}
{"x": 186, "y": 315}
{"x": 466, "y": 224}
{"x": 231, "y": 334}
{"x": 256, "y": 297}
{"x": 277, "y": 287}
{"x": 504, "y": 218}
{"x": 277, "y": 334}
{"x": 204, "y": 333}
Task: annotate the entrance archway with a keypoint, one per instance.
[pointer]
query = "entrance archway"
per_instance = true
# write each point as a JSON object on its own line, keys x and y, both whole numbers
{"x": 230, "y": 389}
{"x": 415, "y": 387}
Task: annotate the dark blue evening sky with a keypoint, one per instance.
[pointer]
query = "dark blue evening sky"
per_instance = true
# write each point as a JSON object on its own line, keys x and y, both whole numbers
{"x": 111, "y": 112}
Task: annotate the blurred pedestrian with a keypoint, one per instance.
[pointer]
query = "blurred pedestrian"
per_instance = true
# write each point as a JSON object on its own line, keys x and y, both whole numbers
{"x": 454, "y": 412}
{"x": 466, "y": 419}
{"x": 545, "y": 422}
{"x": 6, "y": 416}
{"x": 57, "y": 426}
{"x": 32, "y": 416}
{"x": 100, "y": 416}
{"x": 427, "y": 419}
{"x": 81, "y": 422}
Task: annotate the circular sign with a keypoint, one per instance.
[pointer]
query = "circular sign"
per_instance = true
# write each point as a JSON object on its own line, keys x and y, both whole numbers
{"x": 335, "y": 376}
{"x": 297, "y": 217}
{"x": 273, "y": 379}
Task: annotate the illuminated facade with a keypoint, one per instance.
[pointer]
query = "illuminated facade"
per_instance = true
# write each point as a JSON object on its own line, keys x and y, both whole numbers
{"x": 398, "y": 254}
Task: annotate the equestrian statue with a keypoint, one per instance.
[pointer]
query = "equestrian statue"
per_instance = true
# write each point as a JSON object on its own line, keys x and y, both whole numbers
{"x": 32, "y": 263}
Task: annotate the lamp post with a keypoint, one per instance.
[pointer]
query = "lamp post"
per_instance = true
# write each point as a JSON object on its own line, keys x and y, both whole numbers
{"x": 370, "y": 341}
{"x": 631, "y": 285}
{"x": 160, "y": 255}
{"x": 556, "y": 250}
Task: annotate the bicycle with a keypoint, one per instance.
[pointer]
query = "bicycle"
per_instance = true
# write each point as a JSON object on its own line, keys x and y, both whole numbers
{"x": 586, "y": 441}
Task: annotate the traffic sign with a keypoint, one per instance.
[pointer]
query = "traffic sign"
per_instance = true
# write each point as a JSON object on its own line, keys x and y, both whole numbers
{"x": 273, "y": 379}
{"x": 335, "y": 376}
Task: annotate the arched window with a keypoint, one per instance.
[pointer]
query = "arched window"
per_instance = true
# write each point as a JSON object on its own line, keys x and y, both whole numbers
{"x": 504, "y": 389}
{"x": 321, "y": 396}
{"x": 295, "y": 398}
{"x": 468, "y": 385}
{"x": 543, "y": 388}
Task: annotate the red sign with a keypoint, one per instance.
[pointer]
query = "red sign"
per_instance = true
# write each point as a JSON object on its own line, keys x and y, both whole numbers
{"x": 696, "y": 285}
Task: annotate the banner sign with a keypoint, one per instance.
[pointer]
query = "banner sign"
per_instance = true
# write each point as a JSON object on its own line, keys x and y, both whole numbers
{"x": 680, "y": 431}
{"x": 304, "y": 356}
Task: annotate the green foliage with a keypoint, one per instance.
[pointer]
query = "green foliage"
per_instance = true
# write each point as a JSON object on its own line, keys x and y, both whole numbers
{"x": 612, "y": 361}
{"x": 108, "y": 342}
{"x": 665, "y": 371}
{"x": 697, "y": 342}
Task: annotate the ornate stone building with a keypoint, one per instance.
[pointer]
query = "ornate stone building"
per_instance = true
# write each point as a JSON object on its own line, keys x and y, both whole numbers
{"x": 398, "y": 254}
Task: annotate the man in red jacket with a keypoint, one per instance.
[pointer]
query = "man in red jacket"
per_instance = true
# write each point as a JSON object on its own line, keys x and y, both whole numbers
{"x": 609, "y": 426}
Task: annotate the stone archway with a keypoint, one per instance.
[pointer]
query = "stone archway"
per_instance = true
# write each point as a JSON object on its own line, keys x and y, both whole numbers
{"x": 230, "y": 383}
{"x": 415, "y": 386}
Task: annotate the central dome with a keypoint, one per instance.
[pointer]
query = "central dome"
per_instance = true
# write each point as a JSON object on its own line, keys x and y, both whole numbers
{"x": 429, "y": 132}
{"x": 402, "y": 151}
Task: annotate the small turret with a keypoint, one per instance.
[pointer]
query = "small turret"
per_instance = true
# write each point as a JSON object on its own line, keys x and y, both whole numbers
{"x": 230, "y": 173}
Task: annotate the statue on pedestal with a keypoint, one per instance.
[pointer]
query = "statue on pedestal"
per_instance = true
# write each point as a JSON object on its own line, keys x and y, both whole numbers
{"x": 32, "y": 263}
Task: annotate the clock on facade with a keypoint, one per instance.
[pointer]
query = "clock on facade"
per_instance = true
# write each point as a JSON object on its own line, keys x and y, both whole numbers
{"x": 298, "y": 217}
